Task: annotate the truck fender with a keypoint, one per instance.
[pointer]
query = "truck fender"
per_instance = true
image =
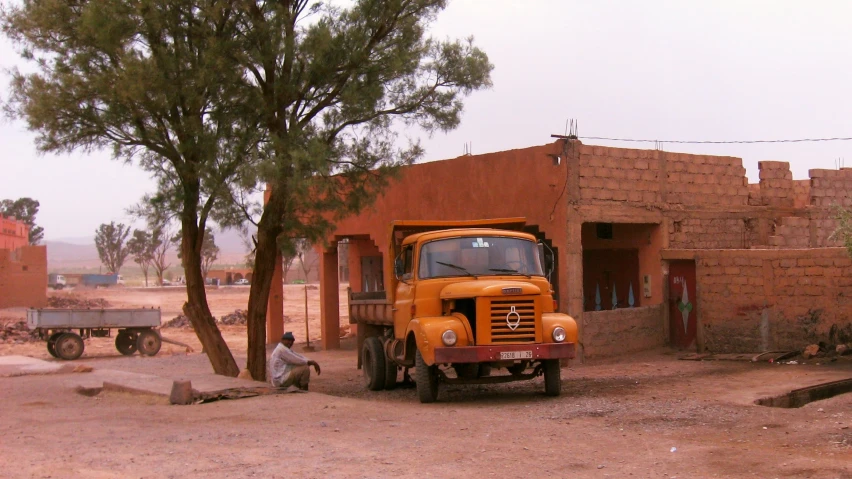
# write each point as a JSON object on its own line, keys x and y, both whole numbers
{"x": 427, "y": 333}
{"x": 551, "y": 320}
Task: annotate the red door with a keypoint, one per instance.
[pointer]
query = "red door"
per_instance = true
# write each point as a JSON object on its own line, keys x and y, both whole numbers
{"x": 683, "y": 313}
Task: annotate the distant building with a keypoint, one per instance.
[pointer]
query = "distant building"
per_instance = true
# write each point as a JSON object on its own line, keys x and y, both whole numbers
{"x": 23, "y": 268}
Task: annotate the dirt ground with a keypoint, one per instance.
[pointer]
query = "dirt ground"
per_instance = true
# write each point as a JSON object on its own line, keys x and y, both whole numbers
{"x": 647, "y": 415}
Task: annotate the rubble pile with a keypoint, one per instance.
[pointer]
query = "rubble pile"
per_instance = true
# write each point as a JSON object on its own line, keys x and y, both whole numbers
{"x": 823, "y": 350}
{"x": 75, "y": 302}
{"x": 179, "y": 321}
{"x": 15, "y": 331}
{"x": 237, "y": 317}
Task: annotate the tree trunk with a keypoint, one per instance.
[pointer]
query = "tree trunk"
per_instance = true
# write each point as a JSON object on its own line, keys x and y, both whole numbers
{"x": 196, "y": 308}
{"x": 268, "y": 229}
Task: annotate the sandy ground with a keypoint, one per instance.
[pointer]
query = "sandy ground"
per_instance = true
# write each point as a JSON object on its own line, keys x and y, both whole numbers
{"x": 647, "y": 415}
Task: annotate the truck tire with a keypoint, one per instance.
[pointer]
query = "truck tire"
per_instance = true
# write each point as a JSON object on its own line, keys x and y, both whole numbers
{"x": 373, "y": 364}
{"x": 391, "y": 373}
{"x": 148, "y": 342}
{"x": 51, "y": 344}
{"x": 426, "y": 378}
{"x": 552, "y": 377}
{"x": 69, "y": 346}
{"x": 125, "y": 343}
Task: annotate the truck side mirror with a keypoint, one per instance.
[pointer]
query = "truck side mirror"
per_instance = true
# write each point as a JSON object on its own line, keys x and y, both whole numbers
{"x": 547, "y": 258}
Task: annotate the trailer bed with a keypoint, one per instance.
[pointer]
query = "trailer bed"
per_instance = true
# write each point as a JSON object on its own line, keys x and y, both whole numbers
{"x": 92, "y": 318}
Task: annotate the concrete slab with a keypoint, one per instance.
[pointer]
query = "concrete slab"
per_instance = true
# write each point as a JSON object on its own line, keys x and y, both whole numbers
{"x": 136, "y": 383}
{"x": 23, "y": 365}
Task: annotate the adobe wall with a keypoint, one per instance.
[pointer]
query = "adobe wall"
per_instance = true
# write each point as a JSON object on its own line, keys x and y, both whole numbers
{"x": 13, "y": 234}
{"x": 759, "y": 300}
{"x": 622, "y": 331}
{"x": 23, "y": 277}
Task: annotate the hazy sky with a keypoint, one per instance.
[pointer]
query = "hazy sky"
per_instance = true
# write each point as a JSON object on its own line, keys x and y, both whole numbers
{"x": 715, "y": 70}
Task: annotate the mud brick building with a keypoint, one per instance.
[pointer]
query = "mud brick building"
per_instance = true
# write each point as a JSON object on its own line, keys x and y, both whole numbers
{"x": 652, "y": 247}
{"x": 23, "y": 268}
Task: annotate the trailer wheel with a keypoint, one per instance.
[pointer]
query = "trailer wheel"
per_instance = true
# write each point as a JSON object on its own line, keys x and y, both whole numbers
{"x": 373, "y": 364}
{"x": 426, "y": 378}
{"x": 51, "y": 344}
{"x": 148, "y": 342}
{"x": 552, "y": 377}
{"x": 391, "y": 372}
{"x": 125, "y": 343}
{"x": 69, "y": 346}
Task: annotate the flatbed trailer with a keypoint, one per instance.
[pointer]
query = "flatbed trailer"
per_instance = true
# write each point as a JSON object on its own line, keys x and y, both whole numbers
{"x": 65, "y": 329}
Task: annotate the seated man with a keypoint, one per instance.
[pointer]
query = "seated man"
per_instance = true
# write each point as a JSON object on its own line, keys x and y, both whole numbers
{"x": 289, "y": 368}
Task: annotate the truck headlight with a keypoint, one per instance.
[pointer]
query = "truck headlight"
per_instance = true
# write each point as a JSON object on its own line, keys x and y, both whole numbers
{"x": 450, "y": 337}
{"x": 559, "y": 334}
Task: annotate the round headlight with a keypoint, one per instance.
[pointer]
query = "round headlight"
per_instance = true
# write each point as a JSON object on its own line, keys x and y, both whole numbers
{"x": 559, "y": 334}
{"x": 449, "y": 337}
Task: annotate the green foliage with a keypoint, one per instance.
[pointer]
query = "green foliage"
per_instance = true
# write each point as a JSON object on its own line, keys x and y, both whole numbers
{"x": 24, "y": 209}
{"x": 844, "y": 227}
{"x": 141, "y": 247}
{"x": 110, "y": 242}
{"x": 209, "y": 250}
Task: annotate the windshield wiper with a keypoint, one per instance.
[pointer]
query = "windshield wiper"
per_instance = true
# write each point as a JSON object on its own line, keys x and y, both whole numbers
{"x": 508, "y": 270}
{"x": 457, "y": 267}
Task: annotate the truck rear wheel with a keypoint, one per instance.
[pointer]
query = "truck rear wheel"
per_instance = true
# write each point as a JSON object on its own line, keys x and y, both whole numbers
{"x": 552, "y": 377}
{"x": 427, "y": 379}
{"x": 69, "y": 346}
{"x": 373, "y": 364}
{"x": 51, "y": 344}
{"x": 125, "y": 343}
{"x": 149, "y": 342}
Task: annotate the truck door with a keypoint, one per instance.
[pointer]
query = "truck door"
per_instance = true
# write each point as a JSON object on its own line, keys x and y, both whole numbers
{"x": 404, "y": 297}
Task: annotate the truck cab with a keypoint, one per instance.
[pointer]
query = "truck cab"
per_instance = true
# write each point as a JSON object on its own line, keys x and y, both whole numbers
{"x": 466, "y": 303}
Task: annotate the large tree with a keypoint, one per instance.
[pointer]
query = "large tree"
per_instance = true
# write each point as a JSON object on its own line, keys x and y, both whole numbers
{"x": 155, "y": 82}
{"x": 141, "y": 247}
{"x": 24, "y": 209}
{"x": 110, "y": 241}
{"x": 332, "y": 86}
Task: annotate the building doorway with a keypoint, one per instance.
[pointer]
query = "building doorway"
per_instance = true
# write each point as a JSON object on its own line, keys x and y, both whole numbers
{"x": 683, "y": 298}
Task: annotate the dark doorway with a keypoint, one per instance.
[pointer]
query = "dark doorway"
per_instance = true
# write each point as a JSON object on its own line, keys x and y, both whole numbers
{"x": 611, "y": 279}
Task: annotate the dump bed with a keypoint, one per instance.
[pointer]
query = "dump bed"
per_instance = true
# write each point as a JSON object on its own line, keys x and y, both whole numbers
{"x": 370, "y": 308}
{"x": 92, "y": 318}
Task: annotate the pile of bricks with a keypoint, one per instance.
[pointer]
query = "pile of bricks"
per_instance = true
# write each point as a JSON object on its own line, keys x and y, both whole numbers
{"x": 70, "y": 301}
{"x": 179, "y": 321}
{"x": 831, "y": 187}
{"x": 776, "y": 183}
{"x": 15, "y": 331}
{"x": 237, "y": 317}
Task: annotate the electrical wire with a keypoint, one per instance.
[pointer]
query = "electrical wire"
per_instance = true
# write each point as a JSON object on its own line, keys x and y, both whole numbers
{"x": 709, "y": 142}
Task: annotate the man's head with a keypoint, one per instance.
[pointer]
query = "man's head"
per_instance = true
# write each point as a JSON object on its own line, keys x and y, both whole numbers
{"x": 288, "y": 339}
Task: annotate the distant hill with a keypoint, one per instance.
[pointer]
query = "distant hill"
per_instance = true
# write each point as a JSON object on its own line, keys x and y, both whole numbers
{"x": 80, "y": 252}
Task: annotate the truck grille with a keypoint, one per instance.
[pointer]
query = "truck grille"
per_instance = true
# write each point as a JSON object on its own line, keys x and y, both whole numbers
{"x": 500, "y": 330}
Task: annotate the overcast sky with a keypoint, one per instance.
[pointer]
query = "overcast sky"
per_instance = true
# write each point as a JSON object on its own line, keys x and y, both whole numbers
{"x": 715, "y": 70}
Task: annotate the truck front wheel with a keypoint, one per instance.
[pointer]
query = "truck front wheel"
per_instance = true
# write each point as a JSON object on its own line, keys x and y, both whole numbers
{"x": 552, "y": 377}
{"x": 373, "y": 364}
{"x": 427, "y": 379}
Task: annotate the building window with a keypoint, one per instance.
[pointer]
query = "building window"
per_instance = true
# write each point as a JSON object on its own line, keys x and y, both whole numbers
{"x": 604, "y": 230}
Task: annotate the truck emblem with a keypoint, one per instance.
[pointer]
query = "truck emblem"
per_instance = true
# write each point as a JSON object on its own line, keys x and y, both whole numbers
{"x": 513, "y": 326}
{"x": 512, "y": 291}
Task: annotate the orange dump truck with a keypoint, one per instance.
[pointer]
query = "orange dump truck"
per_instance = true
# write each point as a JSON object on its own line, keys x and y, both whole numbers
{"x": 466, "y": 299}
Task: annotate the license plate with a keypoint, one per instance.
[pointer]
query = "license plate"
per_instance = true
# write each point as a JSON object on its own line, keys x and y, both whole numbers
{"x": 516, "y": 355}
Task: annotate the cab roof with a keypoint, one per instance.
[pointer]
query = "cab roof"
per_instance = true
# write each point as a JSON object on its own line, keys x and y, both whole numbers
{"x": 457, "y": 232}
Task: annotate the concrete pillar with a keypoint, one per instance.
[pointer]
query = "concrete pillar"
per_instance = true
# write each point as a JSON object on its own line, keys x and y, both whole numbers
{"x": 275, "y": 307}
{"x": 574, "y": 269}
{"x": 329, "y": 300}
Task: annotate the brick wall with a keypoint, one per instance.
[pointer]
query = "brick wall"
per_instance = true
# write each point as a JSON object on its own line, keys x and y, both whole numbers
{"x": 791, "y": 232}
{"x": 710, "y": 233}
{"x": 831, "y": 187}
{"x": 801, "y": 193}
{"x": 23, "y": 277}
{"x": 652, "y": 176}
{"x": 622, "y": 331}
{"x": 13, "y": 233}
{"x": 776, "y": 183}
{"x": 756, "y": 300}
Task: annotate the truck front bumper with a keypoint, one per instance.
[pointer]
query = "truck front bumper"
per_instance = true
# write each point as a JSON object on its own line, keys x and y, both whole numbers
{"x": 483, "y": 354}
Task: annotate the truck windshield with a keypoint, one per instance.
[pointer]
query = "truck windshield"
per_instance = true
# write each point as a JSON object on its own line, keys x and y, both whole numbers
{"x": 478, "y": 255}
